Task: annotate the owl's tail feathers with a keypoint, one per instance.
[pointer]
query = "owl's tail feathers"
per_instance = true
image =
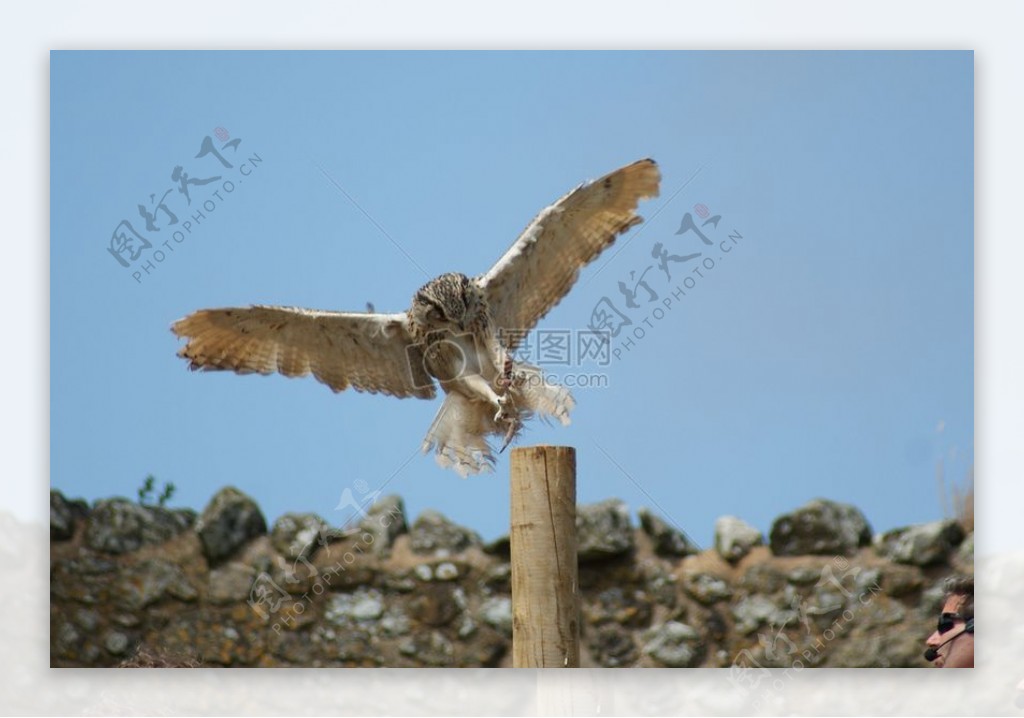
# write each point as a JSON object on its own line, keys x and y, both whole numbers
{"x": 458, "y": 435}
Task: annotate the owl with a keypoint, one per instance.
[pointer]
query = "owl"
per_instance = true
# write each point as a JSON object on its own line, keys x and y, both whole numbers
{"x": 460, "y": 332}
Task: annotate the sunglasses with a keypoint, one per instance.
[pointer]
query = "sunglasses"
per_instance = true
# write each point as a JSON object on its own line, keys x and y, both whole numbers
{"x": 947, "y": 621}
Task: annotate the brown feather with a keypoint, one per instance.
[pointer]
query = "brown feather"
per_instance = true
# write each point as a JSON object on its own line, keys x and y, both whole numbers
{"x": 369, "y": 352}
{"x": 543, "y": 264}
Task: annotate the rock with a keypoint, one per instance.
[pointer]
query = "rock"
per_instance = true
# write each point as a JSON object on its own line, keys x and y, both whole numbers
{"x": 660, "y": 585}
{"x": 434, "y": 605}
{"x": 359, "y": 607}
{"x": 66, "y": 641}
{"x": 964, "y": 558}
{"x": 88, "y": 620}
{"x": 221, "y": 638}
{"x": 385, "y": 521}
{"x": 603, "y": 530}
{"x": 714, "y": 626}
{"x": 820, "y": 527}
{"x": 116, "y": 642}
{"x": 753, "y": 611}
{"x": 612, "y": 646}
{"x": 866, "y": 580}
{"x": 431, "y": 649}
{"x": 898, "y": 581}
{"x": 229, "y": 583}
{"x": 147, "y": 582}
{"x": 484, "y": 651}
{"x": 762, "y": 578}
{"x": 230, "y": 520}
{"x": 823, "y": 606}
{"x": 394, "y": 622}
{"x": 83, "y": 580}
{"x": 734, "y": 538}
{"x": 500, "y": 547}
{"x": 804, "y": 575}
{"x": 932, "y": 598}
{"x": 497, "y": 612}
{"x": 706, "y": 588}
{"x": 399, "y": 583}
{"x": 297, "y": 649}
{"x": 120, "y": 526}
{"x": 433, "y": 534}
{"x": 878, "y": 613}
{"x": 424, "y": 572}
{"x": 64, "y": 514}
{"x": 622, "y": 607}
{"x": 350, "y": 646}
{"x": 342, "y": 578}
{"x": 441, "y": 571}
{"x": 446, "y": 571}
{"x": 673, "y": 644}
{"x": 300, "y": 576}
{"x": 467, "y": 626}
{"x": 498, "y": 579}
{"x": 667, "y": 540}
{"x": 886, "y": 649}
{"x": 921, "y": 545}
{"x": 298, "y": 535}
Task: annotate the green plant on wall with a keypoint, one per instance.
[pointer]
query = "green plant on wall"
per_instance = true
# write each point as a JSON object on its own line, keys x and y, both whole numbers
{"x": 146, "y": 491}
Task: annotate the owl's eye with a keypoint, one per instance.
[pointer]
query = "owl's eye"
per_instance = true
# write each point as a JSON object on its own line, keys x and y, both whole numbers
{"x": 435, "y": 314}
{"x": 432, "y": 311}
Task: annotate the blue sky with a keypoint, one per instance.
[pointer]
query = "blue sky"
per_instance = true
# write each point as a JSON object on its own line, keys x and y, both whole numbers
{"x": 829, "y": 354}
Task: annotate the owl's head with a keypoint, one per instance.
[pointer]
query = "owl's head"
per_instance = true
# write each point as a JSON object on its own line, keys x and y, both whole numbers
{"x": 448, "y": 302}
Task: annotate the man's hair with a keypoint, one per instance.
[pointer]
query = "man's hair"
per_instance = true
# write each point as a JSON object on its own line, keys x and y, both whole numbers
{"x": 962, "y": 586}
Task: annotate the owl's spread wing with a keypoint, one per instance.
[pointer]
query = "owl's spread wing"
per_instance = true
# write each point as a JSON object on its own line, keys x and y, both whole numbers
{"x": 543, "y": 264}
{"x": 369, "y": 352}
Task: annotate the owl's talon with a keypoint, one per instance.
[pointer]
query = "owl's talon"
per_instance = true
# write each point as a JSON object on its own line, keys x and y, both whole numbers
{"x": 513, "y": 426}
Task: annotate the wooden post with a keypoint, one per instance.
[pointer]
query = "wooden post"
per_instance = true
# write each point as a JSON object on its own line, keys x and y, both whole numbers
{"x": 545, "y": 592}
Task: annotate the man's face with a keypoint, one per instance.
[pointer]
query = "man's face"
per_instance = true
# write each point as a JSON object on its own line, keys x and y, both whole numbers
{"x": 959, "y": 652}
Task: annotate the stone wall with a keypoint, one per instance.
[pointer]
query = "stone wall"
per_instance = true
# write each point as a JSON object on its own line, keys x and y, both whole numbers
{"x": 219, "y": 589}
